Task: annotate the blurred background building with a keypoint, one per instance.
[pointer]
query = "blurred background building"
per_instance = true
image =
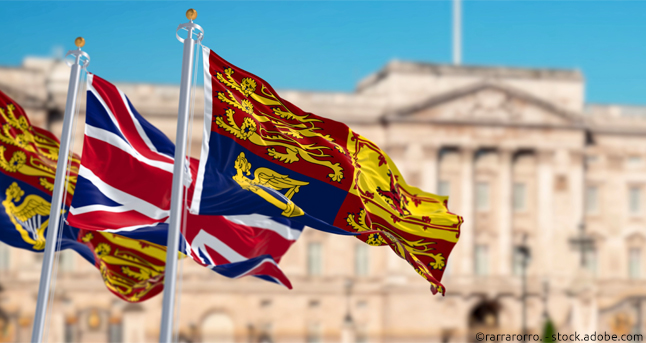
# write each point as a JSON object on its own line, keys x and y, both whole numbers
{"x": 551, "y": 189}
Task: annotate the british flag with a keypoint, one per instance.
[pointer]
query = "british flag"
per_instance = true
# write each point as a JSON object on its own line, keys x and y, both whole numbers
{"x": 124, "y": 186}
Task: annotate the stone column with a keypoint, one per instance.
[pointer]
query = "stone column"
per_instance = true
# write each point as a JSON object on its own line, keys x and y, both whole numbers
{"x": 584, "y": 307}
{"x": 399, "y": 156}
{"x": 505, "y": 210}
{"x": 413, "y": 165}
{"x": 466, "y": 242}
{"x": 544, "y": 207}
{"x": 348, "y": 332}
{"x": 430, "y": 169}
{"x": 56, "y": 327}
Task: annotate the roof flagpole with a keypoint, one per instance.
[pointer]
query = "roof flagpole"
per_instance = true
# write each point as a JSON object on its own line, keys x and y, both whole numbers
{"x": 177, "y": 195}
{"x": 457, "y": 32}
{"x": 82, "y": 60}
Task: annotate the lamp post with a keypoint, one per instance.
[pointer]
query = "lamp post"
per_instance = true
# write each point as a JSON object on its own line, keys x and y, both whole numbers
{"x": 638, "y": 309}
{"x": 523, "y": 250}
{"x": 251, "y": 332}
{"x": 347, "y": 335}
{"x": 546, "y": 290}
{"x": 584, "y": 243}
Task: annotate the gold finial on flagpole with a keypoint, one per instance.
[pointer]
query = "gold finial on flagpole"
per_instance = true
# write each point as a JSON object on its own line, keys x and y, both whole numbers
{"x": 79, "y": 42}
{"x": 191, "y": 14}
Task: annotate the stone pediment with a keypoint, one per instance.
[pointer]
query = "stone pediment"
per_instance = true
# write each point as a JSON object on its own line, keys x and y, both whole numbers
{"x": 487, "y": 103}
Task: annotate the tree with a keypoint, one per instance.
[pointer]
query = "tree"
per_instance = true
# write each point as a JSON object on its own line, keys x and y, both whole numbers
{"x": 549, "y": 331}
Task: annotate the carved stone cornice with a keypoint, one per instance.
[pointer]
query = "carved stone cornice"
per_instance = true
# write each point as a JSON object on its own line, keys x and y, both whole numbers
{"x": 573, "y": 119}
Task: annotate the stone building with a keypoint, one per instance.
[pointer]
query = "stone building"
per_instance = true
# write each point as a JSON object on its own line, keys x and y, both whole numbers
{"x": 530, "y": 166}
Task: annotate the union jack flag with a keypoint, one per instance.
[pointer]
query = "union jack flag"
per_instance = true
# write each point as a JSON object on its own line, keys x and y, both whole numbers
{"x": 124, "y": 186}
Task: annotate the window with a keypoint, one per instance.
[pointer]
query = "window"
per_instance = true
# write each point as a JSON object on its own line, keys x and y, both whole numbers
{"x": 560, "y": 183}
{"x": 362, "y": 335}
{"x": 265, "y": 303}
{"x": 66, "y": 262}
{"x": 70, "y": 329}
{"x": 482, "y": 196}
{"x": 314, "y": 303}
{"x": 590, "y": 159}
{"x": 520, "y": 196}
{"x": 591, "y": 199}
{"x": 444, "y": 188}
{"x": 217, "y": 327}
{"x": 361, "y": 259}
{"x": 635, "y": 263}
{"x": 265, "y": 333}
{"x": 314, "y": 262}
{"x": 634, "y": 201}
{"x": 517, "y": 262}
{"x": 591, "y": 261}
{"x": 314, "y": 333}
{"x": 115, "y": 330}
{"x": 634, "y": 161}
{"x": 482, "y": 260}
{"x": 5, "y": 255}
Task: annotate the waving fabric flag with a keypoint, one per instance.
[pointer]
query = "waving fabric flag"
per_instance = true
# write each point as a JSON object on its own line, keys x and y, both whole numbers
{"x": 120, "y": 149}
{"x": 132, "y": 269}
{"x": 236, "y": 246}
{"x": 262, "y": 154}
{"x": 28, "y": 158}
{"x": 26, "y": 181}
{"x": 124, "y": 187}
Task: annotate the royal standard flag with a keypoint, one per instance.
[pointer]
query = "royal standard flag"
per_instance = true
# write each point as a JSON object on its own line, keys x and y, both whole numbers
{"x": 131, "y": 269}
{"x": 28, "y": 158}
{"x": 262, "y": 154}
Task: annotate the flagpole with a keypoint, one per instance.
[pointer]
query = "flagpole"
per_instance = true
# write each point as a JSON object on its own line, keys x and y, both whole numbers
{"x": 177, "y": 195}
{"x": 59, "y": 188}
{"x": 457, "y": 32}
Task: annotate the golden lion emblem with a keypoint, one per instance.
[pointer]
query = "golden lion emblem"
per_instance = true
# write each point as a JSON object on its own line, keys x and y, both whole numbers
{"x": 16, "y": 131}
{"x": 283, "y": 143}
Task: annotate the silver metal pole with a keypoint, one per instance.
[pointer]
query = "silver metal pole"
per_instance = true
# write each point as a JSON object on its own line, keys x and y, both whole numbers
{"x": 457, "y": 32}
{"x": 59, "y": 189}
{"x": 177, "y": 195}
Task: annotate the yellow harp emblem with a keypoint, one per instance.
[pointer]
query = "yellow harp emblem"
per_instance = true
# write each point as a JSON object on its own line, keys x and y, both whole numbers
{"x": 27, "y": 216}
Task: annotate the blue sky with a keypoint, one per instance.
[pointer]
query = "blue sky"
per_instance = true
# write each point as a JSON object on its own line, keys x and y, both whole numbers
{"x": 329, "y": 45}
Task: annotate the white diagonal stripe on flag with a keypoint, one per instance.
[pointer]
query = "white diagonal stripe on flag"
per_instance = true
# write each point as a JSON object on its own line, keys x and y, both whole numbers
{"x": 265, "y": 222}
{"x": 118, "y": 142}
{"x": 128, "y": 228}
{"x": 127, "y": 200}
{"x": 94, "y": 208}
{"x": 204, "y": 239}
{"x": 139, "y": 128}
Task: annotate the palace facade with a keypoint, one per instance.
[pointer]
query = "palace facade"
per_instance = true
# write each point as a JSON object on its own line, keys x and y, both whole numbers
{"x": 542, "y": 178}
